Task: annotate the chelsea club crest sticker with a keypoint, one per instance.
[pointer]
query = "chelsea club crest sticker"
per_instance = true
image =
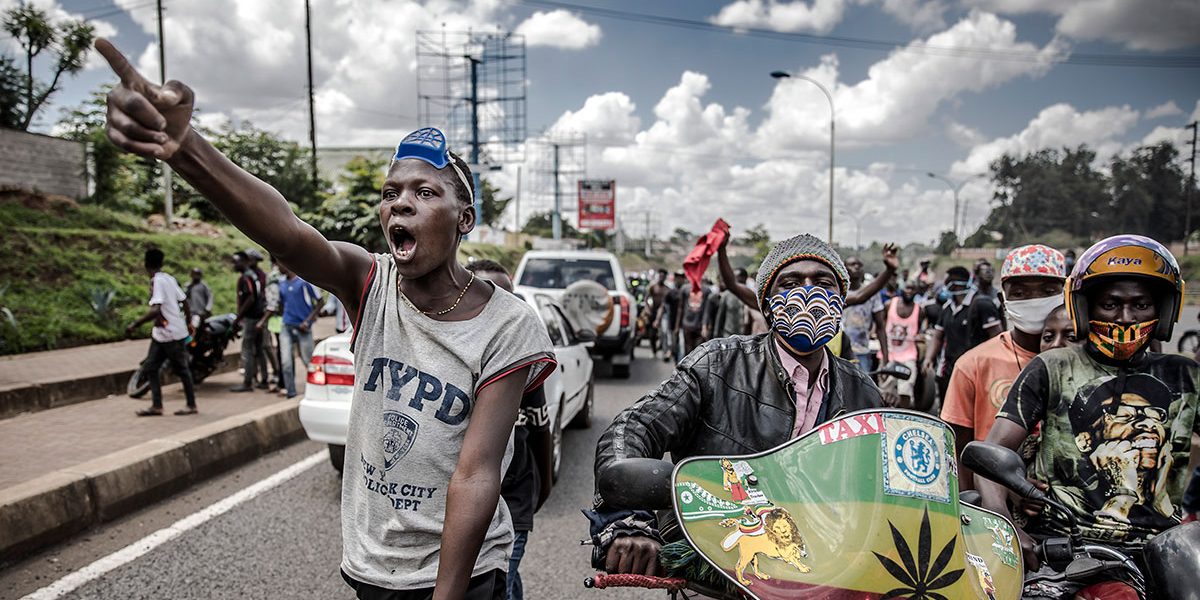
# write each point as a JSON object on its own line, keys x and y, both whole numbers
{"x": 914, "y": 458}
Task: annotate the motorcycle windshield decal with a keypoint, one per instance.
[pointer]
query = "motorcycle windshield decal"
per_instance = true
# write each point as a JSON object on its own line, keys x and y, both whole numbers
{"x": 859, "y": 508}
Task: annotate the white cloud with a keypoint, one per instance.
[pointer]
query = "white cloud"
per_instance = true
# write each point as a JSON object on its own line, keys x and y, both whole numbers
{"x": 964, "y": 135}
{"x": 605, "y": 118}
{"x": 1166, "y": 109}
{"x": 1057, "y": 126}
{"x": 559, "y": 29}
{"x": 246, "y": 60}
{"x": 921, "y": 15}
{"x": 1154, "y": 25}
{"x": 818, "y": 16}
{"x": 902, "y": 91}
{"x": 59, "y": 14}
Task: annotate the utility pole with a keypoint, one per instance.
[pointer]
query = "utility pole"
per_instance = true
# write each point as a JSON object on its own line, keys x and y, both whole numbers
{"x": 475, "y": 166}
{"x": 517, "y": 207}
{"x": 312, "y": 109}
{"x": 556, "y": 218}
{"x": 168, "y": 200}
{"x": 1187, "y": 223}
{"x": 647, "y": 234}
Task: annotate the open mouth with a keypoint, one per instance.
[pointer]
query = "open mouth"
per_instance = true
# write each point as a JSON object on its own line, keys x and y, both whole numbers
{"x": 1146, "y": 442}
{"x": 403, "y": 242}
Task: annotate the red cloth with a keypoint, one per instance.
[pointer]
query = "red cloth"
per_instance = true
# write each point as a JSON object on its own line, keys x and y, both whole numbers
{"x": 1107, "y": 590}
{"x": 696, "y": 262}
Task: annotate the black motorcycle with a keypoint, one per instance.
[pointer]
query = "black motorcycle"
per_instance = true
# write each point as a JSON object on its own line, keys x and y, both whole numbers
{"x": 205, "y": 353}
{"x": 1171, "y": 560}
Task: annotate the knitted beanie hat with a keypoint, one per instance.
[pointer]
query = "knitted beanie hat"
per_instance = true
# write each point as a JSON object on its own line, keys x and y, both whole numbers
{"x": 801, "y": 247}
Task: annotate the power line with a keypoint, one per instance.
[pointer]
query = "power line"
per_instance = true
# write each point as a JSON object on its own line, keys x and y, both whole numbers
{"x": 1088, "y": 59}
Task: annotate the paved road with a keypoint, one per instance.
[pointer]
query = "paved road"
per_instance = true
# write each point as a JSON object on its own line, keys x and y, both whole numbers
{"x": 286, "y": 542}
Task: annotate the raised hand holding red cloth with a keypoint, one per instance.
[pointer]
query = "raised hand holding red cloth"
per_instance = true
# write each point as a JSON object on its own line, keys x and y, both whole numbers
{"x": 696, "y": 262}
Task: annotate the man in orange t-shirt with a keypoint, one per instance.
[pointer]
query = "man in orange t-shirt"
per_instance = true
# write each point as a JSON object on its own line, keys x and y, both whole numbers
{"x": 1032, "y": 282}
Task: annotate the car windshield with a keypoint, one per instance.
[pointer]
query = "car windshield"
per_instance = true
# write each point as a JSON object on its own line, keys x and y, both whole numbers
{"x": 558, "y": 273}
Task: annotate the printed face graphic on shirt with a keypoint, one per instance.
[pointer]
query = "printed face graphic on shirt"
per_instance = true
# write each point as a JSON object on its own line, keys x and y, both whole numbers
{"x": 1122, "y": 429}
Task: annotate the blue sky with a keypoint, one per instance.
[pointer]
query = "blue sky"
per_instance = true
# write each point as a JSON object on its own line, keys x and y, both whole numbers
{"x": 688, "y": 122}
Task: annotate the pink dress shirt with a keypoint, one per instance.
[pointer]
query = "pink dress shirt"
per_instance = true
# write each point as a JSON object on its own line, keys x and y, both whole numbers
{"x": 808, "y": 400}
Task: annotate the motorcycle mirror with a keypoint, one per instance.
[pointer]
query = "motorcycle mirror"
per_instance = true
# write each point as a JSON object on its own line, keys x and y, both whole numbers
{"x": 637, "y": 484}
{"x": 1001, "y": 465}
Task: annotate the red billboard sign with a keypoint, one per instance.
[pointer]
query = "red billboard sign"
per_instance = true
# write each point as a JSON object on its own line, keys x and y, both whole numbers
{"x": 597, "y": 204}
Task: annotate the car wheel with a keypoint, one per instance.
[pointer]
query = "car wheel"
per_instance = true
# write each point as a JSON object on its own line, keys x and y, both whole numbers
{"x": 1189, "y": 343}
{"x": 583, "y": 419}
{"x": 556, "y": 439}
{"x": 620, "y": 371}
{"x": 337, "y": 457}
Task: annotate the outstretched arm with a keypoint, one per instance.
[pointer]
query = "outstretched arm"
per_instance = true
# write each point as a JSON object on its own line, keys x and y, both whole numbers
{"x": 155, "y": 121}
{"x": 743, "y": 292}
{"x": 891, "y": 262}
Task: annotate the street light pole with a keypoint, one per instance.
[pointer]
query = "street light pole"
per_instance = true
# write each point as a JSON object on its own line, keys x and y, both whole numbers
{"x": 956, "y": 188}
{"x": 829, "y": 97}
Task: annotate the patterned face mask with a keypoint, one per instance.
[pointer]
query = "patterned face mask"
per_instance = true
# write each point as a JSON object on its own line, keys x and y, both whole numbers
{"x": 1120, "y": 342}
{"x": 806, "y": 318}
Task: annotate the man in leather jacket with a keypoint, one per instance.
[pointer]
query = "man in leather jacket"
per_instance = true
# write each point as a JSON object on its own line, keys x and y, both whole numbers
{"x": 737, "y": 395}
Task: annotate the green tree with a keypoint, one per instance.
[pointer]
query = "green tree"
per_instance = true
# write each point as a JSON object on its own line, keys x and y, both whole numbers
{"x": 540, "y": 225}
{"x": 1148, "y": 193}
{"x": 10, "y": 93}
{"x": 68, "y": 43}
{"x": 493, "y": 205}
{"x": 352, "y": 213}
{"x": 121, "y": 181}
{"x": 947, "y": 242}
{"x": 682, "y": 235}
{"x": 758, "y": 238}
{"x": 1046, "y": 190}
{"x": 283, "y": 164}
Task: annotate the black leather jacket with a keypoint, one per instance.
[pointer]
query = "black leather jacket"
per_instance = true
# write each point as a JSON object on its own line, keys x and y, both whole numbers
{"x": 730, "y": 396}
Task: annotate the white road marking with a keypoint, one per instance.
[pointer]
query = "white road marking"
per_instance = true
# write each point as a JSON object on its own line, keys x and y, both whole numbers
{"x": 135, "y": 550}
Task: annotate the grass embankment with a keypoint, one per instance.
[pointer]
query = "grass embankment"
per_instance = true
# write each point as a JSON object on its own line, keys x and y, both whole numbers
{"x": 55, "y": 256}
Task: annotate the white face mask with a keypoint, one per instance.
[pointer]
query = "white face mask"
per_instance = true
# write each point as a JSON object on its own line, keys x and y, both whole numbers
{"x": 1030, "y": 315}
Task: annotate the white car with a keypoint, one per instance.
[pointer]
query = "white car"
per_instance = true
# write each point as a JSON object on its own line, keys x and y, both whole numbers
{"x": 552, "y": 271}
{"x": 325, "y": 408}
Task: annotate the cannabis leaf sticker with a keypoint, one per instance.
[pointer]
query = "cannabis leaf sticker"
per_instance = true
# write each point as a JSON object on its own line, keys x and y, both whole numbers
{"x": 917, "y": 577}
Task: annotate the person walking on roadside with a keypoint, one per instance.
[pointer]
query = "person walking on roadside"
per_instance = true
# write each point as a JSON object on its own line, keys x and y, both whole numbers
{"x": 268, "y": 328}
{"x": 301, "y": 304}
{"x": 672, "y": 315}
{"x": 262, "y": 346}
{"x": 249, "y": 311}
{"x": 168, "y": 337}
{"x": 199, "y": 299}
{"x": 903, "y": 327}
{"x": 655, "y": 297}
{"x": 691, "y": 322}
{"x": 730, "y": 312}
{"x": 861, "y": 318}
{"x": 949, "y": 338}
{"x": 530, "y": 476}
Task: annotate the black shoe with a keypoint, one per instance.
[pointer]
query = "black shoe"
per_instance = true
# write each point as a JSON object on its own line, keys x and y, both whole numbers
{"x": 241, "y": 388}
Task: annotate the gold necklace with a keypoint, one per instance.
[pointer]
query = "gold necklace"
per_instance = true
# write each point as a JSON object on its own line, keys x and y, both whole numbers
{"x": 440, "y": 312}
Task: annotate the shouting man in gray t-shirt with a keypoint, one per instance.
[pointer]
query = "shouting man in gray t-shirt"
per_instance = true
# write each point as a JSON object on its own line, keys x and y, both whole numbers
{"x": 441, "y": 361}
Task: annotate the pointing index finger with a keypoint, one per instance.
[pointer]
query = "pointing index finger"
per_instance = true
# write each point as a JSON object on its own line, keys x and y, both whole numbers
{"x": 120, "y": 65}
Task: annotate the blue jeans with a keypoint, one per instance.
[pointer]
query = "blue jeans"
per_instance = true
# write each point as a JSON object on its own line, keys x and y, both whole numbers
{"x": 515, "y": 590}
{"x": 289, "y": 337}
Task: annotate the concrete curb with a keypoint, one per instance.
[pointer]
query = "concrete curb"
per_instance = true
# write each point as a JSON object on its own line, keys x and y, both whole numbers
{"x": 55, "y": 506}
{"x": 35, "y": 397}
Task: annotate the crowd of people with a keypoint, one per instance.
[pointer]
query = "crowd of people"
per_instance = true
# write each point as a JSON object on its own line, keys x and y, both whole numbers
{"x": 444, "y": 365}
{"x": 275, "y": 312}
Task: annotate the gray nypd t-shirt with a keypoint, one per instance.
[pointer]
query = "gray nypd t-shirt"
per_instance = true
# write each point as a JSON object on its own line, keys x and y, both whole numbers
{"x": 415, "y": 382}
